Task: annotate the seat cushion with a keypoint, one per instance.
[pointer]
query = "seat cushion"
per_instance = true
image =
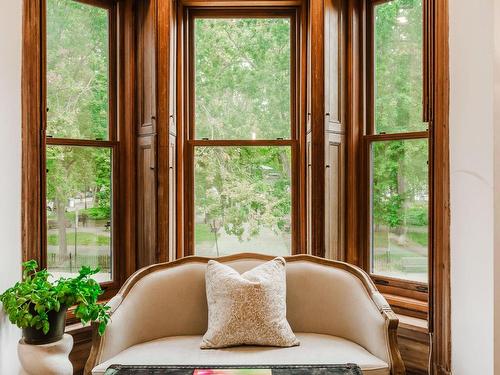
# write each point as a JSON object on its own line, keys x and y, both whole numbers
{"x": 185, "y": 350}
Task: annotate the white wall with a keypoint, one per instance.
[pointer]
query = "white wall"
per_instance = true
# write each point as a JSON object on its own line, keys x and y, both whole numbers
{"x": 497, "y": 185}
{"x": 472, "y": 188}
{"x": 10, "y": 168}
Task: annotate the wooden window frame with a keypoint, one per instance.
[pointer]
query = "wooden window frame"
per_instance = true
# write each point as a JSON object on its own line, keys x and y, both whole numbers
{"x": 405, "y": 296}
{"x": 34, "y": 140}
{"x": 437, "y": 101}
{"x": 187, "y": 15}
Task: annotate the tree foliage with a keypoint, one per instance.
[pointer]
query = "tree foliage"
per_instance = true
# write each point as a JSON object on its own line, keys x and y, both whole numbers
{"x": 242, "y": 78}
{"x": 399, "y": 167}
{"x": 243, "y": 189}
{"x": 242, "y": 91}
{"x": 77, "y": 105}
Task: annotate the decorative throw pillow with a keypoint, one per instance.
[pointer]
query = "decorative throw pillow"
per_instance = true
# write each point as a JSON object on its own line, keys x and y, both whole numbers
{"x": 247, "y": 309}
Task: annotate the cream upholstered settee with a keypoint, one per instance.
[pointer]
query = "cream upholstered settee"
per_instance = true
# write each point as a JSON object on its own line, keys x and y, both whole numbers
{"x": 160, "y": 315}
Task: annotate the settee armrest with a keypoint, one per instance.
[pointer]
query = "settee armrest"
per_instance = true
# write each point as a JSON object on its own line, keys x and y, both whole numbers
{"x": 340, "y": 299}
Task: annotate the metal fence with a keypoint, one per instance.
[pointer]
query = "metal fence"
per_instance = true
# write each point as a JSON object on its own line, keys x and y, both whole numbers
{"x": 69, "y": 263}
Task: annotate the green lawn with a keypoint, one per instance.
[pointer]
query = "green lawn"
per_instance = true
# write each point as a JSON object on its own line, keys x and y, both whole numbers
{"x": 393, "y": 260}
{"x": 202, "y": 233}
{"x": 421, "y": 238}
{"x": 83, "y": 239}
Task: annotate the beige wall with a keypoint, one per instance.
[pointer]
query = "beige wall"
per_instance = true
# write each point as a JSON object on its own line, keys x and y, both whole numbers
{"x": 10, "y": 169}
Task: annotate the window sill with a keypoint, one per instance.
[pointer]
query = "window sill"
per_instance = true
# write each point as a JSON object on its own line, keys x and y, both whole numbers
{"x": 413, "y": 324}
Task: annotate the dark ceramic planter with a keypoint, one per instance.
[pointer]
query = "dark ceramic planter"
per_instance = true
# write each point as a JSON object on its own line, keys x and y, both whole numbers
{"x": 57, "y": 322}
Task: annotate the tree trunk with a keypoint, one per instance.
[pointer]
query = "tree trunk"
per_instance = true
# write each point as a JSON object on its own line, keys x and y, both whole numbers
{"x": 61, "y": 225}
{"x": 285, "y": 163}
{"x": 85, "y": 197}
{"x": 95, "y": 199}
{"x": 403, "y": 228}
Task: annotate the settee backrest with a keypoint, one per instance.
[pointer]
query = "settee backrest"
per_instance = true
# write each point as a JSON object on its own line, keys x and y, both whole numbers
{"x": 322, "y": 297}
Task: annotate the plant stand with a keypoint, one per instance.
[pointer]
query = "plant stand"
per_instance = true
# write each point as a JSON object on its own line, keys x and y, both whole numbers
{"x": 48, "y": 359}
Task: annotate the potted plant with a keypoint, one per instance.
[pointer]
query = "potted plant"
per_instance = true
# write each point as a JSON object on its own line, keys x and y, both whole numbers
{"x": 38, "y": 306}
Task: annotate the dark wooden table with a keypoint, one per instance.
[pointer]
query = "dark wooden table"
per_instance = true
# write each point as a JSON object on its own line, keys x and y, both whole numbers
{"x": 347, "y": 369}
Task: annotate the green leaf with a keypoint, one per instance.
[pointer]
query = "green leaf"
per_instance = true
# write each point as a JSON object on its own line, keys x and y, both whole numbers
{"x": 102, "y": 328}
{"x": 46, "y": 327}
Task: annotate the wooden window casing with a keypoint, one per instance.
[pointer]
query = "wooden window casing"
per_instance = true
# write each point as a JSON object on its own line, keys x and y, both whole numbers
{"x": 189, "y": 141}
{"x": 35, "y": 140}
{"x": 431, "y": 301}
{"x": 405, "y": 296}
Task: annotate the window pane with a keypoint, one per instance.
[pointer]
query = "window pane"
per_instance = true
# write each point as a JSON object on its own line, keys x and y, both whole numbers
{"x": 242, "y": 200}
{"x": 242, "y": 78}
{"x": 398, "y": 66}
{"x": 400, "y": 200}
{"x": 79, "y": 210}
{"x": 77, "y": 70}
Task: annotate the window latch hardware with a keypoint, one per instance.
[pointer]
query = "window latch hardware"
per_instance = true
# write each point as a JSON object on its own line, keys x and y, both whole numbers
{"x": 204, "y": 139}
{"x": 279, "y": 138}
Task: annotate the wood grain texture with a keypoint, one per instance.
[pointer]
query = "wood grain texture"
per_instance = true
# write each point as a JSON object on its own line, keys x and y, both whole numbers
{"x": 317, "y": 115}
{"x": 335, "y": 196}
{"x": 414, "y": 347}
{"x": 32, "y": 132}
{"x": 145, "y": 26}
{"x": 302, "y": 55}
{"x": 334, "y": 132}
{"x": 354, "y": 131}
{"x": 127, "y": 136}
{"x": 165, "y": 123}
{"x": 181, "y": 45}
{"x": 146, "y": 202}
{"x": 440, "y": 297}
{"x": 145, "y": 16}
